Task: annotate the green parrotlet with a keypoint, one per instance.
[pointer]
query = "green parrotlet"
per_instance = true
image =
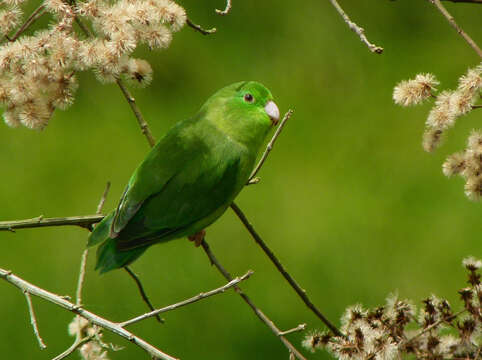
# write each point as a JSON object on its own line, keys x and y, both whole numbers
{"x": 190, "y": 177}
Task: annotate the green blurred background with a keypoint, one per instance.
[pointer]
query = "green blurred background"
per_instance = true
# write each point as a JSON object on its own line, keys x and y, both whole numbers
{"x": 348, "y": 199}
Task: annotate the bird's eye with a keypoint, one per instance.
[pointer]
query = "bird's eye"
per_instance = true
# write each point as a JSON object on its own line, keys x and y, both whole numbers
{"x": 248, "y": 98}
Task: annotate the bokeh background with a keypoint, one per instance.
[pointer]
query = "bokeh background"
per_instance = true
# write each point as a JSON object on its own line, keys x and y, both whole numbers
{"x": 349, "y": 201}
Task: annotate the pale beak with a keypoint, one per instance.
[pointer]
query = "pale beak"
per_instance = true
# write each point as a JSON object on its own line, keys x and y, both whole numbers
{"x": 272, "y": 111}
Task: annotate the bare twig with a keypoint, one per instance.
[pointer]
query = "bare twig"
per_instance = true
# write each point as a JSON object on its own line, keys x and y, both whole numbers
{"x": 79, "y": 340}
{"x": 83, "y": 259}
{"x": 81, "y": 278}
{"x": 286, "y": 117}
{"x": 226, "y": 10}
{"x": 73, "y": 347}
{"x": 245, "y": 297}
{"x": 198, "y": 297}
{"x": 31, "y": 19}
{"x": 435, "y": 324}
{"x": 452, "y": 22}
{"x": 140, "y": 119}
{"x": 144, "y": 296}
{"x": 40, "y": 221}
{"x": 93, "y": 318}
{"x": 101, "y": 203}
{"x": 301, "y": 292}
{"x": 200, "y": 29}
{"x": 466, "y": 1}
{"x": 300, "y": 327}
{"x": 357, "y": 29}
{"x": 33, "y": 320}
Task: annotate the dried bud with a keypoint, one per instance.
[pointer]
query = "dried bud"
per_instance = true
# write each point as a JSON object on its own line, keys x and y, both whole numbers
{"x": 431, "y": 139}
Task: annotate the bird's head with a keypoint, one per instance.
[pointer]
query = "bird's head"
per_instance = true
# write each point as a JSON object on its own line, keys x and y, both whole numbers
{"x": 245, "y": 111}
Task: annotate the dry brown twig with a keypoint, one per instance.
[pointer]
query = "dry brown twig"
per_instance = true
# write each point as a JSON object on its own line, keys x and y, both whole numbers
{"x": 79, "y": 339}
{"x": 116, "y": 328}
{"x": 79, "y": 310}
{"x": 226, "y": 10}
{"x": 33, "y": 320}
{"x": 357, "y": 29}
{"x": 459, "y": 30}
{"x": 292, "y": 349}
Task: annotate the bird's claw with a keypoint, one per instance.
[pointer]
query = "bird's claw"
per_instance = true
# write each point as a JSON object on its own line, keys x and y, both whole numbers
{"x": 197, "y": 237}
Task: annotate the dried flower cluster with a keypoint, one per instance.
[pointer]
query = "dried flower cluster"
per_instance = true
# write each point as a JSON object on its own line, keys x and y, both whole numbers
{"x": 94, "y": 348}
{"x": 37, "y": 72}
{"x": 449, "y": 105}
{"x": 397, "y": 329}
{"x": 468, "y": 164}
{"x": 412, "y": 92}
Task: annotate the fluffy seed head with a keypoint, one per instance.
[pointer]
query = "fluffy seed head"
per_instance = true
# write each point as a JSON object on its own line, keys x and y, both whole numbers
{"x": 9, "y": 18}
{"x": 442, "y": 115}
{"x": 412, "y": 92}
{"x": 37, "y": 71}
{"x": 431, "y": 139}
{"x": 471, "y": 263}
{"x": 473, "y": 188}
{"x": 455, "y": 164}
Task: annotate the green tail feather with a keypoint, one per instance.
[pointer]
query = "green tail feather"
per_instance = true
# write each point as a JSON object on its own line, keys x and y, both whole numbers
{"x": 108, "y": 257}
{"x": 101, "y": 231}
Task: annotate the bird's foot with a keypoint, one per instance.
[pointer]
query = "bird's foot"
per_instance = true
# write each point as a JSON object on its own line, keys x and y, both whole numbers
{"x": 197, "y": 237}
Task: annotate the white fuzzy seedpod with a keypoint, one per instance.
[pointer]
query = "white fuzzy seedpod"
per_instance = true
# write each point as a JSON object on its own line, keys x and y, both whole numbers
{"x": 442, "y": 115}
{"x": 471, "y": 81}
{"x": 473, "y": 188}
{"x": 9, "y": 18}
{"x": 139, "y": 72}
{"x": 170, "y": 13}
{"x": 156, "y": 36}
{"x": 431, "y": 139}
{"x": 412, "y": 92}
{"x": 34, "y": 114}
{"x": 37, "y": 71}
{"x": 455, "y": 164}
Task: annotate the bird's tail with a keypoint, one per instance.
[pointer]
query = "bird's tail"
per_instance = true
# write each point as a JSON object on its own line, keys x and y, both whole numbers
{"x": 108, "y": 256}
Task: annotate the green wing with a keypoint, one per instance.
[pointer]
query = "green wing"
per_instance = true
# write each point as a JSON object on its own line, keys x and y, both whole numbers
{"x": 186, "y": 182}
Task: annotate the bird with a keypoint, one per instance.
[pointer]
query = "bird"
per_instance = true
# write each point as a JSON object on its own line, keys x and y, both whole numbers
{"x": 190, "y": 177}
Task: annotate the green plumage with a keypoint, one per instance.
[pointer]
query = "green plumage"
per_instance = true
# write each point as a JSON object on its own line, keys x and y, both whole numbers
{"x": 190, "y": 176}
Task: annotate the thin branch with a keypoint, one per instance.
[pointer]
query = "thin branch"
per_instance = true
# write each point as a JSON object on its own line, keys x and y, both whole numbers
{"x": 357, "y": 29}
{"x": 301, "y": 292}
{"x": 33, "y": 320}
{"x": 300, "y": 327}
{"x": 101, "y": 203}
{"x": 245, "y": 297}
{"x": 25, "y": 286}
{"x": 130, "y": 99}
{"x": 466, "y": 1}
{"x": 80, "y": 280}
{"x": 226, "y": 10}
{"x": 144, "y": 296}
{"x": 83, "y": 259}
{"x": 31, "y": 19}
{"x": 286, "y": 117}
{"x": 140, "y": 119}
{"x": 73, "y": 347}
{"x": 201, "y": 296}
{"x": 452, "y": 22}
{"x": 40, "y": 221}
{"x": 200, "y": 29}
{"x": 435, "y": 324}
